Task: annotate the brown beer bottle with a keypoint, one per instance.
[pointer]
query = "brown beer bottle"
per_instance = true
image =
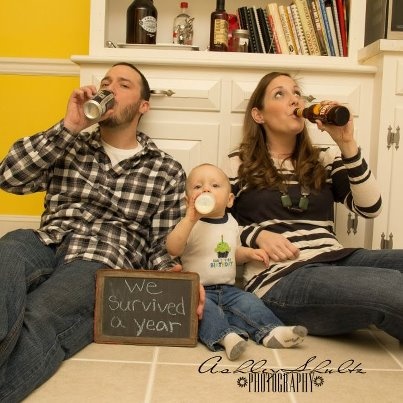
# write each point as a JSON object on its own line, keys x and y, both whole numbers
{"x": 141, "y": 22}
{"x": 219, "y": 28}
{"x": 332, "y": 114}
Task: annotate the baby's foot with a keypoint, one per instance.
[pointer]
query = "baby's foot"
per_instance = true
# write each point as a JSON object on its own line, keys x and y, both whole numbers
{"x": 285, "y": 336}
{"x": 234, "y": 345}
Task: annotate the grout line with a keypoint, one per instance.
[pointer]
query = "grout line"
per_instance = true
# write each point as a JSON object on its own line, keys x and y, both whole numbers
{"x": 277, "y": 357}
{"x": 109, "y": 360}
{"x": 387, "y": 350}
{"x": 150, "y": 383}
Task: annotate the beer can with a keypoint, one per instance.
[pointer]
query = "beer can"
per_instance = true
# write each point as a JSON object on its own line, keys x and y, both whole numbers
{"x": 99, "y": 104}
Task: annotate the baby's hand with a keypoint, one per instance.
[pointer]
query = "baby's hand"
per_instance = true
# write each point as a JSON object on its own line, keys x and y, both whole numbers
{"x": 191, "y": 213}
{"x": 260, "y": 255}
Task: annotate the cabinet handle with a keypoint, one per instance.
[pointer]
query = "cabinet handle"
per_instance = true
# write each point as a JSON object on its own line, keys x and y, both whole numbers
{"x": 386, "y": 243}
{"x": 382, "y": 245}
{"x": 393, "y": 137}
{"x": 397, "y": 137}
{"x": 352, "y": 223}
{"x": 390, "y": 242}
{"x": 168, "y": 93}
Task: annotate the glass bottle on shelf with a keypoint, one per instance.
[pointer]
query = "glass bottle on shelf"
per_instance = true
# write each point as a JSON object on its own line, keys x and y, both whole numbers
{"x": 183, "y": 26}
{"x": 219, "y": 28}
{"x": 141, "y": 22}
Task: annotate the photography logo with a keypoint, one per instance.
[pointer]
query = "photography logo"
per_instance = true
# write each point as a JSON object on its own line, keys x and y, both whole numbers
{"x": 280, "y": 382}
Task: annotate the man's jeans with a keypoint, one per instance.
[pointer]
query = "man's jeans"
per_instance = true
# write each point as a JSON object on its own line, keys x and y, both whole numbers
{"x": 229, "y": 309}
{"x": 46, "y": 311}
{"x": 357, "y": 291}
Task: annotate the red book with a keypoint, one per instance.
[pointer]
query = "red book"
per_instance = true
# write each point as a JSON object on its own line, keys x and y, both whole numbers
{"x": 342, "y": 23}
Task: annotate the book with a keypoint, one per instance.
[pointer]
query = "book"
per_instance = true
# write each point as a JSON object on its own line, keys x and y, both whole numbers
{"x": 253, "y": 31}
{"x": 329, "y": 13}
{"x": 307, "y": 25}
{"x": 300, "y": 32}
{"x": 259, "y": 35}
{"x": 242, "y": 18}
{"x": 320, "y": 34}
{"x": 341, "y": 9}
{"x": 323, "y": 12}
{"x": 292, "y": 48}
{"x": 266, "y": 31}
{"x": 272, "y": 9}
{"x": 337, "y": 26}
{"x": 293, "y": 29}
{"x": 322, "y": 24}
{"x": 275, "y": 42}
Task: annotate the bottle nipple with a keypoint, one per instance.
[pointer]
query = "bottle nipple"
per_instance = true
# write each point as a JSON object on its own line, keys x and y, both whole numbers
{"x": 205, "y": 203}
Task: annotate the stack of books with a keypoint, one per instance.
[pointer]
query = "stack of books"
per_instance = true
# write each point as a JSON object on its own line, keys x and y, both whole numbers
{"x": 304, "y": 27}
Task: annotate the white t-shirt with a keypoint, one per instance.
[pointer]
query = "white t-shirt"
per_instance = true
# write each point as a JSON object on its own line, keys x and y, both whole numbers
{"x": 118, "y": 154}
{"x": 210, "y": 250}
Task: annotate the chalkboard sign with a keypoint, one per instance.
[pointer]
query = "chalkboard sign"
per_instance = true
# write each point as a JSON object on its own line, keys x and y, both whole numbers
{"x": 146, "y": 307}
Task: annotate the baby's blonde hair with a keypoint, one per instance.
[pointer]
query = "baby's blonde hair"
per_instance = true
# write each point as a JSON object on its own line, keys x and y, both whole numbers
{"x": 208, "y": 165}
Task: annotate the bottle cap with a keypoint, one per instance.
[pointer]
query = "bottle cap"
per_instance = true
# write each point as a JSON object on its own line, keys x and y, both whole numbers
{"x": 205, "y": 203}
{"x": 184, "y": 4}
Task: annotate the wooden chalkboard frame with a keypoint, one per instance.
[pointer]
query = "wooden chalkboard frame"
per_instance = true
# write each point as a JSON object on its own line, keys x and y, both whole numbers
{"x": 189, "y": 284}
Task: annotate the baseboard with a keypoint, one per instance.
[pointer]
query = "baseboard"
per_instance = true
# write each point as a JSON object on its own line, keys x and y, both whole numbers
{"x": 35, "y": 66}
{"x": 11, "y": 222}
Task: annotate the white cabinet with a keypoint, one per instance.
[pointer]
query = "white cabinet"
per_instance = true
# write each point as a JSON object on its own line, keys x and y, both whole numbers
{"x": 387, "y": 56}
{"x": 200, "y": 97}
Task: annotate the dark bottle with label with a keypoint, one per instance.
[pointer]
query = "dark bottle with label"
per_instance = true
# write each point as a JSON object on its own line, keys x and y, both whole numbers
{"x": 219, "y": 28}
{"x": 332, "y": 114}
{"x": 141, "y": 22}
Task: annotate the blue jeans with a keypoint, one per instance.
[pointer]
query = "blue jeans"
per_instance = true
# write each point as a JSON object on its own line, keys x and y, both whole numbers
{"x": 46, "y": 311}
{"x": 229, "y": 309}
{"x": 352, "y": 293}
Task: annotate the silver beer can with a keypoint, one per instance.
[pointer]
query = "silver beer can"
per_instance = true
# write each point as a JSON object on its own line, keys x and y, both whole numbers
{"x": 99, "y": 104}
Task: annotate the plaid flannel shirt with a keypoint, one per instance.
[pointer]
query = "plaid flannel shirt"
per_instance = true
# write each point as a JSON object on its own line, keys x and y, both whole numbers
{"x": 118, "y": 215}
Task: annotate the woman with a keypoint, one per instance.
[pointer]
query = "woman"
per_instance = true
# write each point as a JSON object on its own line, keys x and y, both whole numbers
{"x": 285, "y": 192}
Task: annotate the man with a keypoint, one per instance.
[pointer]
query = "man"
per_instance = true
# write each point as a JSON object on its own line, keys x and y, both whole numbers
{"x": 111, "y": 198}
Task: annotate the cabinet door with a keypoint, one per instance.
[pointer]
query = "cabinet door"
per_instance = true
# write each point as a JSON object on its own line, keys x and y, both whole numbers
{"x": 388, "y": 232}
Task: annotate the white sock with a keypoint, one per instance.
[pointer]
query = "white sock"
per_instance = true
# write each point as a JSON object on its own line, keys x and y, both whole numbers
{"x": 234, "y": 345}
{"x": 285, "y": 336}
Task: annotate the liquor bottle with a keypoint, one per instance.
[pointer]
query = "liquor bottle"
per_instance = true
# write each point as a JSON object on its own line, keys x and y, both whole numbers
{"x": 141, "y": 22}
{"x": 332, "y": 114}
{"x": 219, "y": 28}
{"x": 183, "y": 27}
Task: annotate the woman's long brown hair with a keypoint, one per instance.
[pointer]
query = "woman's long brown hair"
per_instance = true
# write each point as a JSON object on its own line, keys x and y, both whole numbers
{"x": 257, "y": 169}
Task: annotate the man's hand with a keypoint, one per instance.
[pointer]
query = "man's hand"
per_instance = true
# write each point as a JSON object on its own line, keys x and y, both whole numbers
{"x": 202, "y": 301}
{"x": 202, "y": 293}
{"x": 75, "y": 120}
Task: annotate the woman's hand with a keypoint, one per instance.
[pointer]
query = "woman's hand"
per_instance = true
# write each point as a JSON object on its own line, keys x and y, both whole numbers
{"x": 277, "y": 246}
{"x": 343, "y": 136}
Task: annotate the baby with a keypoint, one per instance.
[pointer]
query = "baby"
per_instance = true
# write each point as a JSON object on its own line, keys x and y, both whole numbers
{"x": 209, "y": 244}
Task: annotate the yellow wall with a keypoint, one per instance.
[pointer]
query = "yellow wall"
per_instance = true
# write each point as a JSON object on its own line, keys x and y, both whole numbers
{"x": 37, "y": 29}
{"x": 44, "y": 28}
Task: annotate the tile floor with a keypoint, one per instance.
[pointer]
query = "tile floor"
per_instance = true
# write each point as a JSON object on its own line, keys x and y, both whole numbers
{"x": 366, "y": 366}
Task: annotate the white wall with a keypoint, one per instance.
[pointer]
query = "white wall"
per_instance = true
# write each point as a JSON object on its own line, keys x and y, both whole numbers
{"x": 11, "y": 222}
